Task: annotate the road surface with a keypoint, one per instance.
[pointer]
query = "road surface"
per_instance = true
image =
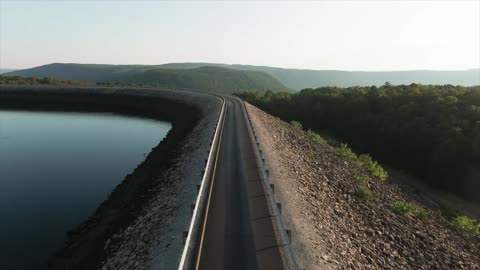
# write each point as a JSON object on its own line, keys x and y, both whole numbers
{"x": 238, "y": 230}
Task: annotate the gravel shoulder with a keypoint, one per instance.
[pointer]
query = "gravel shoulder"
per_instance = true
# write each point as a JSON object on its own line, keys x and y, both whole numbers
{"x": 334, "y": 229}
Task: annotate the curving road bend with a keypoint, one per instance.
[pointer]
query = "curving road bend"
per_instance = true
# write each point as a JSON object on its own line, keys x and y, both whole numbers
{"x": 238, "y": 231}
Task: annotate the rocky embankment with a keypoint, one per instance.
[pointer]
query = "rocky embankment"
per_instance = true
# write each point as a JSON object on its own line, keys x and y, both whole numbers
{"x": 140, "y": 225}
{"x": 333, "y": 228}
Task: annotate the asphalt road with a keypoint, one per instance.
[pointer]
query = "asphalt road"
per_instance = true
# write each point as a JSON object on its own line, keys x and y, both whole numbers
{"x": 239, "y": 232}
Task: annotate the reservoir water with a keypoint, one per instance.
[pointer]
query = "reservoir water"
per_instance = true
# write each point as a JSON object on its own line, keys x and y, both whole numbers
{"x": 55, "y": 169}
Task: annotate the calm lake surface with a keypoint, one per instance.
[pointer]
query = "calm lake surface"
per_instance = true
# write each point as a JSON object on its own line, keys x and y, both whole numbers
{"x": 55, "y": 169}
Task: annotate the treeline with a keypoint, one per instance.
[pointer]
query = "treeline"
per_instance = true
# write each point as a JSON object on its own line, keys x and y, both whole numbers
{"x": 432, "y": 131}
{"x": 20, "y": 80}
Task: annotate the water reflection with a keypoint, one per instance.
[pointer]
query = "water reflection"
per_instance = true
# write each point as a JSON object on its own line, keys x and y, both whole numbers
{"x": 55, "y": 169}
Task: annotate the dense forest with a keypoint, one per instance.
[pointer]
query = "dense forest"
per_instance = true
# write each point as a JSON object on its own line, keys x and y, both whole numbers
{"x": 431, "y": 131}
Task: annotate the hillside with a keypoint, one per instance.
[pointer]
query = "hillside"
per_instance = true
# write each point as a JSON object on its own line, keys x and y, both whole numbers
{"x": 431, "y": 131}
{"x": 215, "y": 79}
{"x": 292, "y": 78}
{"x": 6, "y": 70}
{"x": 82, "y": 72}
{"x": 342, "y": 216}
{"x": 305, "y": 78}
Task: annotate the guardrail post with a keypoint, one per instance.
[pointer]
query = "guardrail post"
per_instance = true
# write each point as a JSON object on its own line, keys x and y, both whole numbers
{"x": 272, "y": 186}
{"x": 267, "y": 172}
{"x": 289, "y": 235}
{"x": 279, "y": 205}
{"x": 185, "y": 235}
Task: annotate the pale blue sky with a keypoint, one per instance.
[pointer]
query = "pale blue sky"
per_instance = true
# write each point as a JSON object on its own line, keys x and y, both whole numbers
{"x": 358, "y": 35}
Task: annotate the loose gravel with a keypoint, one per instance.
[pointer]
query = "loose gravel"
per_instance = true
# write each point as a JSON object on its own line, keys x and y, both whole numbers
{"x": 333, "y": 228}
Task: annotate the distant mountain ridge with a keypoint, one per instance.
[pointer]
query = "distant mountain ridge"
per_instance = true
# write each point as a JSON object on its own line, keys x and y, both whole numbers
{"x": 306, "y": 78}
{"x": 291, "y": 78}
{"x": 211, "y": 78}
{"x": 205, "y": 78}
{"x": 5, "y": 70}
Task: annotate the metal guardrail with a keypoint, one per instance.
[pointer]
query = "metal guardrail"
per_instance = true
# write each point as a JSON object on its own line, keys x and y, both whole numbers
{"x": 285, "y": 233}
{"x": 189, "y": 249}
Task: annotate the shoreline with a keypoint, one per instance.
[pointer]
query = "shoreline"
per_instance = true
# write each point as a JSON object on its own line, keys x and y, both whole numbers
{"x": 98, "y": 239}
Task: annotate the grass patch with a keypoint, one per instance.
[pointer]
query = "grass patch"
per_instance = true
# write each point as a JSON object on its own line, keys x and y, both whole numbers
{"x": 345, "y": 152}
{"x": 466, "y": 225}
{"x": 409, "y": 209}
{"x": 364, "y": 193}
{"x": 363, "y": 160}
{"x": 296, "y": 124}
{"x": 372, "y": 166}
{"x": 362, "y": 179}
{"x": 380, "y": 173}
{"x": 316, "y": 137}
{"x": 450, "y": 210}
{"x": 330, "y": 139}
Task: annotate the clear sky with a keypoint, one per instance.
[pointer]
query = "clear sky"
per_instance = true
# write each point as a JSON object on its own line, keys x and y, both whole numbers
{"x": 357, "y": 35}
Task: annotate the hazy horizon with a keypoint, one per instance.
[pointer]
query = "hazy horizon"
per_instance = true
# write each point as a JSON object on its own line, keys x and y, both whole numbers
{"x": 474, "y": 68}
{"x": 324, "y": 35}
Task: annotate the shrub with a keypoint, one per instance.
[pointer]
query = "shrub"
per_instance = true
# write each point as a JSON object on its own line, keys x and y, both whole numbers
{"x": 466, "y": 225}
{"x": 345, "y": 152}
{"x": 372, "y": 166}
{"x": 364, "y": 193}
{"x": 380, "y": 173}
{"x": 296, "y": 125}
{"x": 366, "y": 160}
{"x": 363, "y": 160}
{"x": 362, "y": 179}
{"x": 316, "y": 137}
{"x": 451, "y": 210}
{"x": 409, "y": 209}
